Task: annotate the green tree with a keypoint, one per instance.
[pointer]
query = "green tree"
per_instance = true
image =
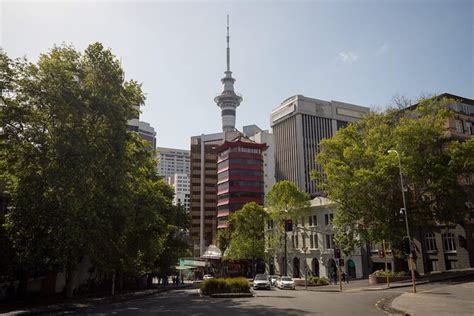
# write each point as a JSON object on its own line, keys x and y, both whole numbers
{"x": 78, "y": 183}
{"x": 284, "y": 201}
{"x": 247, "y": 240}
{"x": 363, "y": 179}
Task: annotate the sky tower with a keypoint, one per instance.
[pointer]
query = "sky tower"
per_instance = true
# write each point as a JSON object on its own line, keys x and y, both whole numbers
{"x": 228, "y": 100}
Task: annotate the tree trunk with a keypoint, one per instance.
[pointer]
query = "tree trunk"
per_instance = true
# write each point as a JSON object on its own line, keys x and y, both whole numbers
{"x": 113, "y": 282}
{"x": 121, "y": 281}
{"x": 70, "y": 281}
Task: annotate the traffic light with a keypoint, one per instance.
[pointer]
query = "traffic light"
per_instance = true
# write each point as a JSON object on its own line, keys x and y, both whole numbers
{"x": 337, "y": 253}
{"x": 381, "y": 253}
{"x": 288, "y": 225}
{"x": 406, "y": 245}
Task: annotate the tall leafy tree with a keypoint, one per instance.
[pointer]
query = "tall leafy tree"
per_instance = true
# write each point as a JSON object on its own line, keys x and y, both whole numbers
{"x": 284, "y": 201}
{"x": 246, "y": 228}
{"x": 363, "y": 178}
{"x": 78, "y": 183}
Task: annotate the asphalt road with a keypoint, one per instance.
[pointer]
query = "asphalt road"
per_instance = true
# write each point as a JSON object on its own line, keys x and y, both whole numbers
{"x": 354, "y": 300}
{"x": 273, "y": 302}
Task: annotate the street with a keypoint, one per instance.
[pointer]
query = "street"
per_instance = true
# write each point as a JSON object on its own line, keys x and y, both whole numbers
{"x": 273, "y": 302}
{"x": 353, "y": 301}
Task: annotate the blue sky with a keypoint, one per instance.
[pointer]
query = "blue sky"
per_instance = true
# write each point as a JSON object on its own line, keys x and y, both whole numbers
{"x": 361, "y": 52}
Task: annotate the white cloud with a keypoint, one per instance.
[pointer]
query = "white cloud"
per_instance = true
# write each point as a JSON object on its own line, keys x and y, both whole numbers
{"x": 348, "y": 57}
{"x": 381, "y": 50}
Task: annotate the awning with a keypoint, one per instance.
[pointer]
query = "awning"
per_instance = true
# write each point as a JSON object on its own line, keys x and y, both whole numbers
{"x": 184, "y": 268}
{"x": 212, "y": 252}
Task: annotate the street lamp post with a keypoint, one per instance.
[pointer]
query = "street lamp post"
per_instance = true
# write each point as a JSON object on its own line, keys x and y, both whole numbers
{"x": 410, "y": 257}
{"x": 305, "y": 268}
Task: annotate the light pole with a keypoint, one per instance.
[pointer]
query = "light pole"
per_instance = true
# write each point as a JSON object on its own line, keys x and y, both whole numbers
{"x": 305, "y": 268}
{"x": 410, "y": 257}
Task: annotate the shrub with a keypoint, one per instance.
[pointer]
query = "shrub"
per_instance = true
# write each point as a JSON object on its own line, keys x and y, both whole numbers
{"x": 313, "y": 280}
{"x": 382, "y": 273}
{"x": 322, "y": 281}
{"x": 225, "y": 285}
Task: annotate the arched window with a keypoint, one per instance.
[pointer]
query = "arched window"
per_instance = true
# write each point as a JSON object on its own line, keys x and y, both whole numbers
{"x": 449, "y": 243}
{"x": 430, "y": 242}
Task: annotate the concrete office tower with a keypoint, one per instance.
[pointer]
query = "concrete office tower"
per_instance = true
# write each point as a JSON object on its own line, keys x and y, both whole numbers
{"x": 147, "y": 132}
{"x": 172, "y": 161}
{"x": 204, "y": 188}
{"x": 239, "y": 176}
{"x": 299, "y": 124}
{"x": 264, "y": 137}
{"x": 180, "y": 183}
{"x": 228, "y": 100}
{"x": 144, "y": 130}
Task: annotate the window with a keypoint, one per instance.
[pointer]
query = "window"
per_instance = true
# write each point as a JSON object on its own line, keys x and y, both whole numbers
{"x": 469, "y": 128}
{"x": 303, "y": 239}
{"x": 316, "y": 245}
{"x": 449, "y": 243}
{"x": 302, "y": 221}
{"x": 328, "y": 218}
{"x": 430, "y": 242}
{"x": 297, "y": 241}
{"x": 311, "y": 241}
{"x": 313, "y": 220}
{"x": 329, "y": 241}
{"x": 458, "y": 125}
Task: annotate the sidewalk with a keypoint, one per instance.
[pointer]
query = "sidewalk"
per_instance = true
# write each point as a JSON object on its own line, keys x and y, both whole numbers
{"x": 363, "y": 284}
{"x": 447, "y": 300}
{"x": 82, "y": 302}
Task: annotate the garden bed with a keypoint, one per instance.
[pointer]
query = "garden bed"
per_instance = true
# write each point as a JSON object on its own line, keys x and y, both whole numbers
{"x": 230, "y": 287}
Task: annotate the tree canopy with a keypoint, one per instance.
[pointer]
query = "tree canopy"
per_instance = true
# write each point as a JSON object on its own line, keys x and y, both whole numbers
{"x": 362, "y": 177}
{"x": 76, "y": 182}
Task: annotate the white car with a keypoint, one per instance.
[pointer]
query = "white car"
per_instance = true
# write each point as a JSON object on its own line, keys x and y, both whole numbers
{"x": 207, "y": 277}
{"x": 261, "y": 281}
{"x": 285, "y": 282}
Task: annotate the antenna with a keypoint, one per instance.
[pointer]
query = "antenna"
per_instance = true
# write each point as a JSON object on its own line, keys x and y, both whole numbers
{"x": 228, "y": 48}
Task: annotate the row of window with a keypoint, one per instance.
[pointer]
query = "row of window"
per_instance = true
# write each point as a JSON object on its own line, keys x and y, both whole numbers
{"x": 464, "y": 127}
{"x": 241, "y": 150}
{"x": 240, "y": 183}
{"x": 313, "y": 241}
{"x": 312, "y": 221}
{"x": 226, "y": 174}
{"x": 255, "y": 195}
{"x": 449, "y": 242}
{"x": 241, "y": 161}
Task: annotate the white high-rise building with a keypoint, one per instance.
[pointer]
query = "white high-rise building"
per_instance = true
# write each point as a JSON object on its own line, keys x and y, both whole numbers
{"x": 172, "y": 160}
{"x": 180, "y": 183}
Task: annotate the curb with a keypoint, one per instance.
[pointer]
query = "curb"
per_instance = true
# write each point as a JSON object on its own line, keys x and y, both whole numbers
{"x": 90, "y": 302}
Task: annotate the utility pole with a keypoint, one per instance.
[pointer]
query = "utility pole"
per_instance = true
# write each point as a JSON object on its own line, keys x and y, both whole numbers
{"x": 410, "y": 256}
{"x": 386, "y": 264}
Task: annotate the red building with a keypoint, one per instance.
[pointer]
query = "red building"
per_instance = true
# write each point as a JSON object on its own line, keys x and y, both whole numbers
{"x": 239, "y": 176}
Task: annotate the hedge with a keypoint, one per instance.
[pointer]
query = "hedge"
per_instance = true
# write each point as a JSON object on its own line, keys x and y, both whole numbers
{"x": 225, "y": 285}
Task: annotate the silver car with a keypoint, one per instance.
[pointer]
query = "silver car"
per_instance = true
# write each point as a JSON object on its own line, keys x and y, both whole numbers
{"x": 261, "y": 281}
{"x": 286, "y": 282}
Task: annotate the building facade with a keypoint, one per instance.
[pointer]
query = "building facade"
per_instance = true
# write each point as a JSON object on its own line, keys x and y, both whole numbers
{"x": 299, "y": 124}
{"x": 173, "y": 161}
{"x": 239, "y": 176}
{"x": 181, "y": 184}
{"x": 449, "y": 247}
{"x": 264, "y": 137}
{"x": 310, "y": 245}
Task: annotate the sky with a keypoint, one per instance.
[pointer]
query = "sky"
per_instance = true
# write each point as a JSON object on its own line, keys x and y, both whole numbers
{"x": 360, "y": 52}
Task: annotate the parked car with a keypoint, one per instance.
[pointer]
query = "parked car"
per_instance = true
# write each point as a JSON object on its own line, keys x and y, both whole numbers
{"x": 273, "y": 279}
{"x": 285, "y": 282}
{"x": 207, "y": 277}
{"x": 261, "y": 281}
